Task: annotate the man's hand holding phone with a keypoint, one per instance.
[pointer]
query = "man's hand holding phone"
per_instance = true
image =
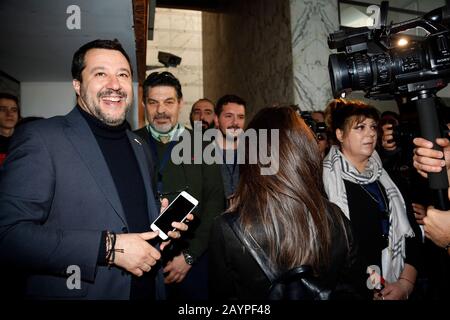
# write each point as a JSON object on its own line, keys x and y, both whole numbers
{"x": 179, "y": 210}
{"x": 136, "y": 255}
{"x": 179, "y": 226}
{"x": 173, "y": 216}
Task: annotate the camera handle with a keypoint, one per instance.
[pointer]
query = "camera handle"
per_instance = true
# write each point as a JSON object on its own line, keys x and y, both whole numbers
{"x": 430, "y": 130}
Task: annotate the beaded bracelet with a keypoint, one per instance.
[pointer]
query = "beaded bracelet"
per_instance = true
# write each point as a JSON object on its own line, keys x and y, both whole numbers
{"x": 111, "y": 248}
{"x": 110, "y": 244}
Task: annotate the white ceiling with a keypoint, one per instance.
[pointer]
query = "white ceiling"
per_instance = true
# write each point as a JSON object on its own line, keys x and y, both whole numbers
{"x": 36, "y": 45}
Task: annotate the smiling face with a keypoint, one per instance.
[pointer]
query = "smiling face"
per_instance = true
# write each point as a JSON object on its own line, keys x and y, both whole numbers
{"x": 162, "y": 108}
{"x": 358, "y": 140}
{"x": 105, "y": 90}
{"x": 231, "y": 120}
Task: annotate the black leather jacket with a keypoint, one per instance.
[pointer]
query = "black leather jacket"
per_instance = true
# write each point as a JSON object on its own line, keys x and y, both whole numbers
{"x": 234, "y": 274}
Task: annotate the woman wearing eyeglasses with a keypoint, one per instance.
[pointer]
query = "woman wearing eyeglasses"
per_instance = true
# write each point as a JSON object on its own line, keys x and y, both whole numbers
{"x": 355, "y": 180}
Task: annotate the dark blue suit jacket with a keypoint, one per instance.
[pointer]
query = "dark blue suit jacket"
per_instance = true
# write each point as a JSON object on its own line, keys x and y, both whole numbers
{"x": 56, "y": 197}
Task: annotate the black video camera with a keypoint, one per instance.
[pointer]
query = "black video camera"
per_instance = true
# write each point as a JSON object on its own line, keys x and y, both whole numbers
{"x": 318, "y": 128}
{"x": 371, "y": 60}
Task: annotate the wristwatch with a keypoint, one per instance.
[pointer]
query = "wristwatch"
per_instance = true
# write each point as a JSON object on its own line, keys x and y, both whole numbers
{"x": 188, "y": 258}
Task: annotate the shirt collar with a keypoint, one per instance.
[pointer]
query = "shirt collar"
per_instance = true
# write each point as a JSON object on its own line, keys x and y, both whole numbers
{"x": 173, "y": 133}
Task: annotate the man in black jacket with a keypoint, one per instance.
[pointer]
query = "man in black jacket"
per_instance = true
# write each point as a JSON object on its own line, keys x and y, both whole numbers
{"x": 186, "y": 269}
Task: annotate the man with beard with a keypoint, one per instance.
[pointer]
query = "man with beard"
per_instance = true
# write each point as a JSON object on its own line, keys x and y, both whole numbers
{"x": 230, "y": 119}
{"x": 76, "y": 199}
{"x": 186, "y": 268}
{"x": 203, "y": 110}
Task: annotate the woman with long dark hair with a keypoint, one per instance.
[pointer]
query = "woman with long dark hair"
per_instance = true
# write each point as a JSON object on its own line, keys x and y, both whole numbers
{"x": 285, "y": 213}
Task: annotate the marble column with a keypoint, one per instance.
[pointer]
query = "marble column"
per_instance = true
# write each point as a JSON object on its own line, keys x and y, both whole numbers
{"x": 311, "y": 22}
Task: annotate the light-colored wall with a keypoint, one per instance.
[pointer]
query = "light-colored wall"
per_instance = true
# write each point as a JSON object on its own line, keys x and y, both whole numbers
{"x": 179, "y": 32}
{"x": 311, "y": 22}
{"x": 48, "y": 99}
{"x": 247, "y": 51}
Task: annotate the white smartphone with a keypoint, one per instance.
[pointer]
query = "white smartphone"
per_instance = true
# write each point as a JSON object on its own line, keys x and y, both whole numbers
{"x": 176, "y": 211}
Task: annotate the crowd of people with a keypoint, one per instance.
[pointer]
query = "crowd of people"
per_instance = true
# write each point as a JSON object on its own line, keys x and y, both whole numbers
{"x": 83, "y": 189}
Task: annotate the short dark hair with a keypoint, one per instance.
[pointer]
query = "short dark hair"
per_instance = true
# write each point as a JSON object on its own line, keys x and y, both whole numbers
{"x": 9, "y": 96}
{"x": 228, "y": 98}
{"x": 165, "y": 78}
{"x": 193, "y": 106}
{"x": 78, "y": 62}
{"x": 339, "y": 112}
{"x": 390, "y": 114}
{"x": 202, "y": 99}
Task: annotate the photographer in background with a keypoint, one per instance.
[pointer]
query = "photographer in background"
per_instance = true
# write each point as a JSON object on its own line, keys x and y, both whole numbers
{"x": 316, "y": 122}
{"x": 393, "y": 158}
{"x": 388, "y": 121}
{"x": 321, "y": 134}
{"x": 397, "y": 154}
{"x": 396, "y": 149}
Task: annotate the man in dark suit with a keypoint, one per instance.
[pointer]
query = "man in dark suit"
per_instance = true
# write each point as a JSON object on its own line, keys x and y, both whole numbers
{"x": 76, "y": 198}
